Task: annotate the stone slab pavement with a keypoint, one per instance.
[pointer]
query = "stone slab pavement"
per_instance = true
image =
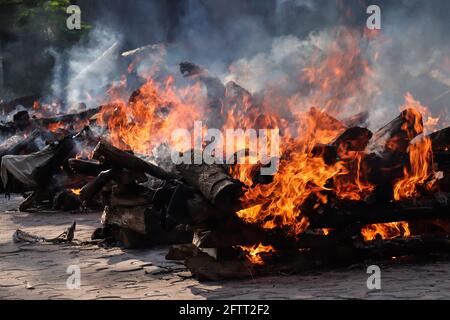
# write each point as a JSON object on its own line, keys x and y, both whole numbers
{"x": 39, "y": 271}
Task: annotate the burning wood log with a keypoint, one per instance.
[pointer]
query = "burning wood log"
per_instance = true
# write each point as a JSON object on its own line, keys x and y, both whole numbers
{"x": 397, "y": 134}
{"x": 215, "y": 90}
{"x": 67, "y": 118}
{"x": 22, "y": 121}
{"x": 353, "y": 139}
{"x": 110, "y": 155}
{"x": 325, "y": 121}
{"x": 66, "y": 201}
{"x": 205, "y": 268}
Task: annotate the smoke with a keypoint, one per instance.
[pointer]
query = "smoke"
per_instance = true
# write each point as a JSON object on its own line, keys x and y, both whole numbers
{"x": 85, "y": 72}
{"x": 260, "y": 45}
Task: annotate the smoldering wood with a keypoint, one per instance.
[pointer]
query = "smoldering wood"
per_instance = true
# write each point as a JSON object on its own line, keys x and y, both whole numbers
{"x": 94, "y": 187}
{"x": 214, "y": 183}
{"x": 110, "y": 155}
{"x": 441, "y": 140}
{"x": 86, "y": 167}
{"x": 28, "y": 124}
{"x": 430, "y": 227}
{"x": 66, "y": 201}
{"x": 327, "y": 152}
{"x": 214, "y": 88}
{"x": 67, "y": 118}
{"x": 382, "y": 171}
{"x": 124, "y": 192}
{"x": 364, "y": 214}
{"x": 126, "y": 178}
{"x": 424, "y": 245}
{"x": 205, "y": 268}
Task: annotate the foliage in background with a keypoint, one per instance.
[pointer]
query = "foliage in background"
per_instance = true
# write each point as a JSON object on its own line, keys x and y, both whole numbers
{"x": 41, "y": 18}
{"x": 28, "y": 29}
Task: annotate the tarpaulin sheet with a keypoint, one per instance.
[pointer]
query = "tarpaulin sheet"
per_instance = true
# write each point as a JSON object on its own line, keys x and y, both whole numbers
{"x": 22, "y": 166}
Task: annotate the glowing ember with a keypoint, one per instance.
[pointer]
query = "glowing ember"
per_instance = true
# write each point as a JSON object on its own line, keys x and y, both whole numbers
{"x": 76, "y": 191}
{"x": 53, "y": 127}
{"x": 253, "y": 253}
{"x": 386, "y": 230}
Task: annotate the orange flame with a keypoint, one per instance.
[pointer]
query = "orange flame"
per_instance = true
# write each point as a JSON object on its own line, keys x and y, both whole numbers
{"x": 430, "y": 123}
{"x": 418, "y": 171}
{"x": 253, "y": 253}
{"x": 76, "y": 191}
{"x": 151, "y": 115}
{"x": 340, "y": 82}
{"x": 386, "y": 230}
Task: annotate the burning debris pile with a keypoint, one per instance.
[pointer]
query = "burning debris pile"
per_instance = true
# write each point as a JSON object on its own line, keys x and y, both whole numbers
{"x": 342, "y": 193}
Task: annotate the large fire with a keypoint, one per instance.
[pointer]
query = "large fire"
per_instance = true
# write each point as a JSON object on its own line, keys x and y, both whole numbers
{"x": 339, "y": 82}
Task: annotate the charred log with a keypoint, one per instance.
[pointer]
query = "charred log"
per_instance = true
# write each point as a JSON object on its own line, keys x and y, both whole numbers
{"x": 441, "y": 140}
{"x": 86, "y": 167}
{"x": 214, "y": 183}
{"x": 345, "y": 214}
{"x": 353, "y": 139}
{"x": 397, "y": 134}
{"x": 96, "y": 185}
{"x": 140, "y": 227}
{"x": 110, "y": 155}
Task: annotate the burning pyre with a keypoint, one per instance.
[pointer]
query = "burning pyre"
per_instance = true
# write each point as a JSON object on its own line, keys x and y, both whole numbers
{"x": 330, "y": 164}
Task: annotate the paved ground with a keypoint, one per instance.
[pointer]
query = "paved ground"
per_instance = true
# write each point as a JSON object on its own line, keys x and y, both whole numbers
{"x": 38, "y": 271}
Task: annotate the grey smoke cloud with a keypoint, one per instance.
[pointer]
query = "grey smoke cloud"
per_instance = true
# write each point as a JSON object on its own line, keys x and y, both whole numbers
{"x": 276, "y": 35}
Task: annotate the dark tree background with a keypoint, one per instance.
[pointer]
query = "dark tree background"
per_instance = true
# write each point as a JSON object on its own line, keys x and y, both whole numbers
{"x": 28, "y": 29}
